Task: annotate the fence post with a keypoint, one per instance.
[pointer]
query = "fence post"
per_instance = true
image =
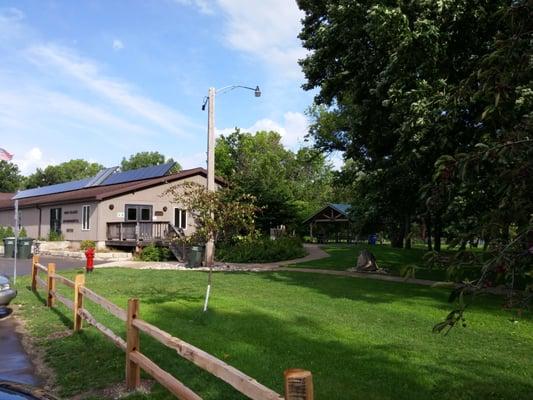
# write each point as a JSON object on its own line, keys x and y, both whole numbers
{"x": 133, "y": 371}
{"x": 79, "y": 281}
{"x": 35, "y": 260}
{"x": 298, "y": 384}
{"x": 51, "y": 284}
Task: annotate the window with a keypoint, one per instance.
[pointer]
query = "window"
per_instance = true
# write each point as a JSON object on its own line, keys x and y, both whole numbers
{"x": 180, "y": 218}
{"x": 146, "y": 213}
{"x": 131, "y": 214}
{"x": 85, "y": 218}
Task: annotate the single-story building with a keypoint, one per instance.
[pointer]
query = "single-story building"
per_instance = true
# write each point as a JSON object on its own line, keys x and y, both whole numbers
{"x": 332, "y": 224}
{"x": 112, "y": 208}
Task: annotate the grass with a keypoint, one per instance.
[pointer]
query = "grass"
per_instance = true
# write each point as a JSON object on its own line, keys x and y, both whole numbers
{"x": 343, "y": 257}
{"x": 360, "y": 338}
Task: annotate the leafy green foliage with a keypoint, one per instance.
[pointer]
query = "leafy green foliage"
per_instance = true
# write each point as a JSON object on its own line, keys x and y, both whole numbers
{"x": 87, "y": 244}
{"x": 23, "y": 233}
{"x": 287, "y": 186}
{"x": 217, "y": 215}
{"x": 155, "y": 253}
{"x": 65, "y": 172}
{"x": 9, "y": 232}
{"x": 147, "y": 159}
{"x": 54, "y": 236}
{"x": 10, "y": 178}
{"x": 433, "y": 103}
{"x": 260, "y": 249}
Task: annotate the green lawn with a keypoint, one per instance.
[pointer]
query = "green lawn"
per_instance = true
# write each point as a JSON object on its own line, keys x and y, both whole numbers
{"x": 343, "y": 257}
{"x": 361, "y": 339}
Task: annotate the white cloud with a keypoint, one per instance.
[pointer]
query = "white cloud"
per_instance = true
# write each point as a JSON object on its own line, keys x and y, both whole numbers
{"x": 31, "y": 160}
{"x": 117, "y": 44}
{"x": 267, "y": 30}
{"x": 264, "y": 29}
{"x": 204, "y": 6}
{"x": 121, "y": 94}
{"x": 292, "y": 130}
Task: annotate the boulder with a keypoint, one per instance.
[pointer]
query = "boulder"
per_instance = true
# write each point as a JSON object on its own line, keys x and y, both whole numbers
{"x": 366, "y": 262}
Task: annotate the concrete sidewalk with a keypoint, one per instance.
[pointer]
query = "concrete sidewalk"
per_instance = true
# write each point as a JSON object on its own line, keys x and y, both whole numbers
{"x": 314, "y": 252}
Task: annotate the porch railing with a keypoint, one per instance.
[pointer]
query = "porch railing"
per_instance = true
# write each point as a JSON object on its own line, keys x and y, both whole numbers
{"x": 148, "y": 230}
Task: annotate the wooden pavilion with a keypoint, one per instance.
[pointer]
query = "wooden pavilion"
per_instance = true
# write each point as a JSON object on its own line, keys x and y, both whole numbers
{"x": 332, "y": 224}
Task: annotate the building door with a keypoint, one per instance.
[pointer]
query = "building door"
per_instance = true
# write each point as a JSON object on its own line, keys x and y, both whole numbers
{"x": 55, "y": 220}
{"x": 141, "y": 215}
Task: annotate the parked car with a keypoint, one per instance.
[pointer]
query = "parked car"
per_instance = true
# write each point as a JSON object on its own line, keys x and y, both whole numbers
{"x": 7, "y": 293}
{"x": 17, "y": 391}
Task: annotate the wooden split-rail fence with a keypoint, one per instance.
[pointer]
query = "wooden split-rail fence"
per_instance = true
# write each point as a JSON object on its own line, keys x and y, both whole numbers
{"x": 298, "y": 383}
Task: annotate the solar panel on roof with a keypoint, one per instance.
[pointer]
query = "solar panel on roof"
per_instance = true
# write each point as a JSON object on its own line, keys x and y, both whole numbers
{"x": 139, "y": 174}
{"x": 58, "y": 188}
{"x": 101, "y": 176}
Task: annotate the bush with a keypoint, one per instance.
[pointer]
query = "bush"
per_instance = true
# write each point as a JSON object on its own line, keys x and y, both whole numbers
{"x": 2, "y": 232}
{"x": 23, "y": 233}
{"x": 87, "y": 244}
{"x": 261, "y": 249}
{"x": 55, "y": 236}
{"x": 9, "y": 232}
{"x": 155, "y": 253}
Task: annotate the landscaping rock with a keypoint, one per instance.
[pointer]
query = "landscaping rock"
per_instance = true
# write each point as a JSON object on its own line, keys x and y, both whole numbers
{"x": 366, "y": 262}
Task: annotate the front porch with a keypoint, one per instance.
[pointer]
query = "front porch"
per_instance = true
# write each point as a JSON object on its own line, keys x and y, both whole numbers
{"x": 130, "y": 234}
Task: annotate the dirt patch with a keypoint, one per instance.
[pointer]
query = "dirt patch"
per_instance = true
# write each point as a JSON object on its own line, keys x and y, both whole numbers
{"x": 116, "y": 391}
{"x": 59, "y": 335}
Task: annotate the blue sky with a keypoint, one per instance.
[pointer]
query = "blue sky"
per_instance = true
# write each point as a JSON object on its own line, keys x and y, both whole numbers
{"x": 104, "y": 79}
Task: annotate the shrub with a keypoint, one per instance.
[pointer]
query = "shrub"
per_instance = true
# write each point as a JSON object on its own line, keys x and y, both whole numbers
{"x": 87, "y": 244}
{"x": 23, "y": 233}
{"x": 55, "y": 236}
{"x": 9, "y": 232}
{"x": 155, "y": 253}
{"x": 261, "y": 249}
{"x": 2, "y": 232}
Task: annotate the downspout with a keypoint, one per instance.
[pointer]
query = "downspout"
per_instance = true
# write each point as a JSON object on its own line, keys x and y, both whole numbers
{"x": 39, "y": 226}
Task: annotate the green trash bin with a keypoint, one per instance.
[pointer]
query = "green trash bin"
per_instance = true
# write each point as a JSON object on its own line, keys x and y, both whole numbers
{"x": 195, "y": 256}
{"x": 24, "y": 247}
{"x": 9, "y": 247}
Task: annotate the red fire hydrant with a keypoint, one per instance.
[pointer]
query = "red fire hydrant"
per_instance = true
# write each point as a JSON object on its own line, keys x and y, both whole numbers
{"x": 89, "y": 254}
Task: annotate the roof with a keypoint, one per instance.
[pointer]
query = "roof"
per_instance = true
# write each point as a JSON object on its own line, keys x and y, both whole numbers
{"x": 98, "y": 193}
{"x": 105, "y": 177}
{"x": 339, "y": 207}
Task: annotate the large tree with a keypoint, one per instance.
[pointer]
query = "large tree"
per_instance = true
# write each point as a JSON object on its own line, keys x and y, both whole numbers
{"x": 287, "y": 185}
{"x": 10, "y": 178}
{"x": 67, "y": 171}
{"x": 147, "y": 159}
{"x": 433, "y": 101}
{"x": 389, "y": 77}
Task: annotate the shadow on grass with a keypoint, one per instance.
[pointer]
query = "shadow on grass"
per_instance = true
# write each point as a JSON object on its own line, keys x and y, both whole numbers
{"x": 263, "y": 347}
{"x": 354, "y": 365}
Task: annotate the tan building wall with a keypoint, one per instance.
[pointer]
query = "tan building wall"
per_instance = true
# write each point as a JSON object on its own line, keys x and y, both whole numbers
{"x": 154, "y": 197}
{"x": 110, "y": 210}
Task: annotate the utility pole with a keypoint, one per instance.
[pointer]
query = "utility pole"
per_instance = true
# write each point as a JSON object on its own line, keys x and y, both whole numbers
{"x": 210, "y": 245}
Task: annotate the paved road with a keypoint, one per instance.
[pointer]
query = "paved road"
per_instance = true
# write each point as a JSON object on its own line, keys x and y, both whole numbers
{"x": 24, "y": 266}
{"x": 16, "y": 365}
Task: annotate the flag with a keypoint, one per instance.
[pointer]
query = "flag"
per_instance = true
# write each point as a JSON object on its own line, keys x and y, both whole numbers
{"x": 4, "y": 155}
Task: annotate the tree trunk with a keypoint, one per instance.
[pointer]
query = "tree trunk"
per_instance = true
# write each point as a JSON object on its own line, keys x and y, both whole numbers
{"x": 407, "y": 230}
{"x": 397, "y": 236}
{"x": 438, "y": 234}
{"x": 429, "y": 234}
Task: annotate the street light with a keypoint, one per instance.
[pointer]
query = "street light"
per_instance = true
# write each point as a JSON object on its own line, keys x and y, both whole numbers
{"x": 210, "y": 102}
